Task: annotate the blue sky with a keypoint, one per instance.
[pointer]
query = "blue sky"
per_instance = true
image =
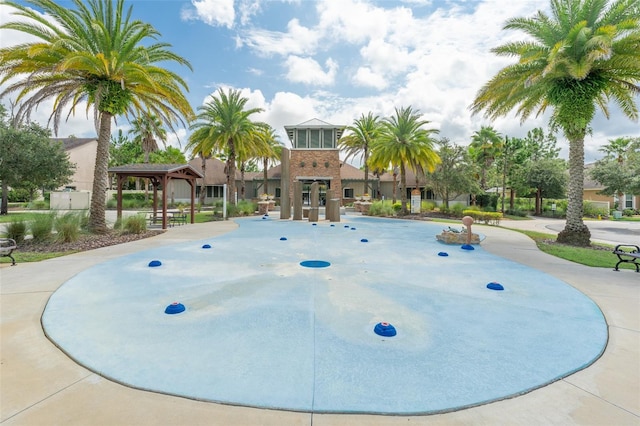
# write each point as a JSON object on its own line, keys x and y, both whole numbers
{"x": 335, "y": 60}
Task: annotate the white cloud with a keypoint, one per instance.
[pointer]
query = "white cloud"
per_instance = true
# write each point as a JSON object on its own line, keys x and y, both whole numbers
{"x": 308, "y": 71}
{"x": 296, "y": 40}
{"x": 365, "y": 77}
{"x": 211, "y": 12}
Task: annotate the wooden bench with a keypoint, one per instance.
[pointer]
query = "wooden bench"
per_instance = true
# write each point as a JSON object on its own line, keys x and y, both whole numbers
{"x": 7, "y": 246}
{"x": 627, "y": 253}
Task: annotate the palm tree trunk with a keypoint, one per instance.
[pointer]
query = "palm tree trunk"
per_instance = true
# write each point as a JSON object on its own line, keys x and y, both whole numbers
{"x": 575, "y": 232}
{"x": 403, "y": 189}
{"x": 265, "y": 189}
{"x": 366, "y": 173}
{"x": 4, "y": 209}
{"x": 203, "y": 187}
{"x": 242, "y": 183}
{"x": 97, "y": 221}
{"x": 395, "y": 187}
{"x": 231, "y": 173}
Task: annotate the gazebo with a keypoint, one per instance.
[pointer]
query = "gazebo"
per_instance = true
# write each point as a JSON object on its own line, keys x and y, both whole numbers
{"x": 159, "y": 175}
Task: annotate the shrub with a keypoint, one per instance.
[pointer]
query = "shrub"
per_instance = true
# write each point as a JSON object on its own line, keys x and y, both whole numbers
{"x": 397, "y": 206}
{"x": 247, "y": 208}
{"x": 16, "y": 230}
{"x": 38, "y": 205}
{"x": 381, "y": 208}
{"x": 19, "y": 195}
{"x": 489, "y": 218}
{"x": 427, "y": 206}
{"x": 68, "y": 227}
{"x": 136, "y": 224}
{"x": 591, "y": 210}
{"x": 628, "y": 212}
{"x": 42, "y": 226}
{"x": 516, "y": 212}
{"x": 457, "y": 210}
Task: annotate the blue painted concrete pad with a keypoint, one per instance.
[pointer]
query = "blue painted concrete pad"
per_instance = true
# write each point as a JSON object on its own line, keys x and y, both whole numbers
{"x": 261, "y": 330}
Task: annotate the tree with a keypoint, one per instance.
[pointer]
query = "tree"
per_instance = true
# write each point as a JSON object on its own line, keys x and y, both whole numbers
{"x": 169, "y": 155}
{"x": 486, "y": 145}
{"x": 548, "y": 176}
{"x": 403, "y": 142}
{"x": 271, "y": 151}
{"x": 144, "y": 130}
{"x": 30, "y": 159}
{"x": 94, "y": 53}
{"x": 359, "y": 139}
{"x": 619, "y": 170}
{"x": 583, "y": 55}
{"x": 452, "y": 177}
{"x": 222, "y": 125}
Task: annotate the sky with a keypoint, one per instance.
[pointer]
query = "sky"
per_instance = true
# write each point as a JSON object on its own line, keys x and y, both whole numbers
{"x": 335, "y": 60}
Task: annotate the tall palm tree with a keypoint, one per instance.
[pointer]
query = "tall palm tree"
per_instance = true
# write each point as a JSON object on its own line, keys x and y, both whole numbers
{"x": 585, "y": 54}
{"x": 94, "y": 53}
{"x": 359, "y": 139}
{"x": 486, "y": 145}
{"x": 403, "y": 142}
{"x": 617, "y": 149}
{"x": 221, "y": 125}
{"x": 145, "y": 129}
{"x": 271, "y": 152}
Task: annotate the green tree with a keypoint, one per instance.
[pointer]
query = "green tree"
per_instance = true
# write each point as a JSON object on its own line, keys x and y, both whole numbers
{"x": 359, "y": 139}
{"x": 619, "y": 170}
{"x": 452, "y": 177}
{"x": 30, "y": 160}
{"x": 486, "y": 145}
{"x": 403, "y": 142}
{"x": 222, "y": 126}
{"x": 548, "y": 177}
{"x": 94, "y": 52}
{"x": 271, "y": 152}
{"x": 145, "y": 128}
{"x": 169, "y": 155}
{"x": 586, "y": 53}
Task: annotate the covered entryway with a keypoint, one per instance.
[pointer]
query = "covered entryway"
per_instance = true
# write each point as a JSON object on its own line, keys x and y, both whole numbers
{"x": 159, "y": 175}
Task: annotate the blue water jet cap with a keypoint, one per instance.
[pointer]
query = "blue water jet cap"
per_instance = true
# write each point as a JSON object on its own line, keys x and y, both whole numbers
{"x": 154, "y": 263}
{"x": 495, "y": 286}
{"x": 443, "y": 254}
{"x": 314, "y": 224}
{"x": 353, "y": 229}
{"x": 364, "y": 240}
{"x": 384, "y": 329}
{"x": 174, "y": 308}
{"x": 467, "y": 247}
{"x": 315, "y": 263}
{"x": 346, "y": 226}
{"x": 332, "y": 225}
{"x": 283, "y": 238}
{"x": 264, "y": 217}
{"x": 206, "y": 246}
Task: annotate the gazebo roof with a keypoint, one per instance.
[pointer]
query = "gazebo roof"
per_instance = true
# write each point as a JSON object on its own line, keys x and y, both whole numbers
{"x": 183, "y": 171}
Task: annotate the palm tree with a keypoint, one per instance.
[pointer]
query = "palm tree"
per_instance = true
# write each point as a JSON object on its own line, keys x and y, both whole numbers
{"x": 486, "y": 145}
{"x": 144, "y": 128}
{"x": 585, "y": 54}
{"x": 403, "y": 142}
{"x": 358, "y": 141}
{"x": 93, "y": 53}
{"x": 222, "y": 125}
{"x": 271, "y": 151}
{"x": 617, "y": 149}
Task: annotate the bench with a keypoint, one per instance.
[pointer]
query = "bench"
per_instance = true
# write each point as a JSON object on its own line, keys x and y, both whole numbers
{"x": 627, "y": 253}
{"x": 7, "y": 246}
{"x": 178, "y": 218}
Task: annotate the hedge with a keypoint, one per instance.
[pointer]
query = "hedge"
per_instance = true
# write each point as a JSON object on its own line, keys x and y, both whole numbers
{"x": 489, "y": 218}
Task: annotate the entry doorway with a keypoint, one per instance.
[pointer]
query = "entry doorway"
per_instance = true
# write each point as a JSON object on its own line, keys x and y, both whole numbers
{"x": 323, "y": 185}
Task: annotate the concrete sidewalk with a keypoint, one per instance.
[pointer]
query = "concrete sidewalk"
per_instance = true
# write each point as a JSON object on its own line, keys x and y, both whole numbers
{"x": 40, "y": 385}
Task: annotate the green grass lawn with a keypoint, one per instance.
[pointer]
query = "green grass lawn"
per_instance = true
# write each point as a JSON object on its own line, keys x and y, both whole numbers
{"x": 598, "y": 256}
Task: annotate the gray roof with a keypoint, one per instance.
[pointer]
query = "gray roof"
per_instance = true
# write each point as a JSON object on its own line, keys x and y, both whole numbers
{"x": 70, "y": 143}
{"x": 149, "y": 168}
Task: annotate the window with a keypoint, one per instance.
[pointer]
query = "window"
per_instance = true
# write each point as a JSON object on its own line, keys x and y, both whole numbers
{"x": 327, "y": 139}
{"x": 277, "y": 194}
{"x": 348, "y": 193}
{"x": 301, "y": 138}
{"x": 628, "y": 201}
{"x": 314, "y": 140}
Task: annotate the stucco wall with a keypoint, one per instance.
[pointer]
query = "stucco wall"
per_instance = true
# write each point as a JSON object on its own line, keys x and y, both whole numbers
{"x": 84, "y": 157}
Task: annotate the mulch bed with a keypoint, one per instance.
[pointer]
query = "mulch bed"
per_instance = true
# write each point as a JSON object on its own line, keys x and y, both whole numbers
{"x": 84, "y": 242}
